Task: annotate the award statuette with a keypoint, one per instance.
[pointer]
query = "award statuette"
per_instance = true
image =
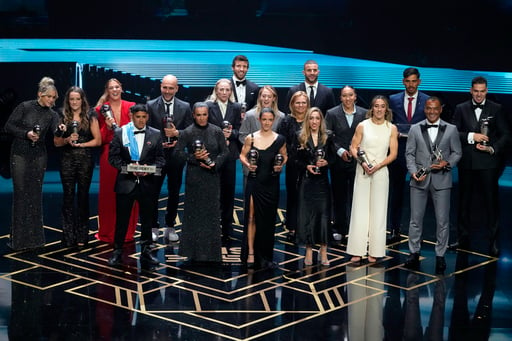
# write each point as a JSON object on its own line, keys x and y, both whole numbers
{"x": 168, "y": 122}
{"x": 278, "y": 161}
{"x": 74, "y": 130}
{"x": 199, "y": 146}
{"x": 37, "y": 131}
{"x": 107, "y": 113}
{"x": 243, "y": 110}
{"x": 484, "y": 129}
{"x": 363, "y": 158}
{"x": 136, "y": 168}
{"x": 422, "y": 171}
{"x": 252, "y": 157}
{"x": 319, "y": 155}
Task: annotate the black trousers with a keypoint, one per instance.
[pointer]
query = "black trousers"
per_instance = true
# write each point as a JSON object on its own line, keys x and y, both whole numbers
{"x": 342, "y": 188}
{"x": 227, "y": 174}
{"x": 173, "y": 169}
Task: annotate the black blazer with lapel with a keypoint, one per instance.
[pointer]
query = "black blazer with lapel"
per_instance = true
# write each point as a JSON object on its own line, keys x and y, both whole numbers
{"x": 324, "y": 97}
{"x": 251, "y": 93}
{"x": 182, "y": 114}
{"x": 499, "y": 135}
{"x": 336, "y": 121}
{"x": 233, "y": 115}
{"x": 152, "y": 154}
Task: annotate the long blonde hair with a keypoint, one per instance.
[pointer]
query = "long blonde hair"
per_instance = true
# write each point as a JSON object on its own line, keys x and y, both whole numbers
{"x": 104, "y": 97}
{"x": 213, "y": 96}
{"x": 274, "y": 106}
{"x": 305, "y": 131}
{"x": 388, "y": 116}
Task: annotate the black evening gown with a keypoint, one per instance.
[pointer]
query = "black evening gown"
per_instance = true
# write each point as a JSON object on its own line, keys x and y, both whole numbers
{"x": 201, "y": 233}
{"x": 76, "y": 168}
{"x": 314, "y": 203}
{"x": 264, "y": 190}
{"x": 28, "y": 165}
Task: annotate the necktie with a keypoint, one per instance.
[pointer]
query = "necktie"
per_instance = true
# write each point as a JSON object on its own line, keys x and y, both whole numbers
{"x": 311, "y": 96}
{"x": 432, "y": 125}
{"x": 238, "y": 83}
{"x": 409, "y": 109}
{"x": 478, "y": 106}
{"x": 139, "y": 132}
{"x": 167, "y": 107}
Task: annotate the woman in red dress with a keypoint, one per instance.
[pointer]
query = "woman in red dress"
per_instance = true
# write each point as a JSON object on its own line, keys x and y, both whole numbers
{"x": 107, "y": 199}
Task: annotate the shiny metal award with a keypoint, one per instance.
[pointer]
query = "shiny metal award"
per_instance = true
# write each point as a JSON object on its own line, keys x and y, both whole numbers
{"x": 136, "y": 168}
{"x": 319, "y": 155}
{"x": 168, "y": 122}
{"x": 106, "y": 111}
{"x": 422, "y": 171}
{"x": 74, "y": 130}
{"x": 484, "y": 129}
{"x": 37, "y": 131}
{"x": 199, "y": 146}
{"x": 252, "y": 157}
{"x": 278, "y": 161}
{"x": 363, "y": 158}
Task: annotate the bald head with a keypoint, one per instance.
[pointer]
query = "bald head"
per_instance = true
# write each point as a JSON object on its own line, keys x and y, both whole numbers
{"x": 169, "y": 87}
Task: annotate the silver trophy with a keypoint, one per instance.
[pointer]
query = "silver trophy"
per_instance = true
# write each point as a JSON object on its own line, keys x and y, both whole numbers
{"x": 74, "y": 130}
{"x": 278, "y": 161}
{"x": 199, "y": 146}
{"x": 168, "y": 122}
{"x": 363, "y": 158}
{"x": 484, "y": 129}
{"x": 422, "y": 171}
{"x": 243, "y": 110}
{"x": 37, "y": 131}
{"x": 319, "y": 155}
{"x": 437, "y": 155}
{"x": 106, "y": 111}
{"x": 252, "y": 157}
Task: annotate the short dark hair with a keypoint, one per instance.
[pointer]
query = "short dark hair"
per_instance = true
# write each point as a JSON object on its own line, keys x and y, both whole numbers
{"x": 199, "y": 105}
{"x": 265, "y": 110}
{"x": 435, "y": 98}
{"x": 138, "y": 107}
{"x": 411, "y": 71}
{"x": 479, "y": 80}
{"x": 240, "y": 58}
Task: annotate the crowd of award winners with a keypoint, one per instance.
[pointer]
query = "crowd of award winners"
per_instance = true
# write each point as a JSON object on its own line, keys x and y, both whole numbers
{"x": 345, "y": 168}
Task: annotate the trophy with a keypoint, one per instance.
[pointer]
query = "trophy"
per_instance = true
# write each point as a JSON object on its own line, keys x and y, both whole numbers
{"x": 107, "y": 113}
{"x": 36, "y": 130}
{"x": 278, "y": 161}
{"x": 199, "y": 146}
{"x": 422, "y": 171}
{"x": 74, "y": 130}
{"x": 362, "y": 157}
{"x": 168, "y": 122}
{"x": 484, "y": 129}
{"x": 437, "y": 156}
{"x": 243, "y": 109}
{"x": 319, "y": 155}
{"x": 252, "y": 157}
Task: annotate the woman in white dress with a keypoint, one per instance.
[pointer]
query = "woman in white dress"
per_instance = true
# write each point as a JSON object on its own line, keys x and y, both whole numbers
{"x": 374, "y": 145}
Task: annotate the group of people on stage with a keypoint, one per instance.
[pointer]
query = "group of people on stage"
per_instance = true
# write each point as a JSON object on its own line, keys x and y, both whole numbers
{"x": 342, "y": 163}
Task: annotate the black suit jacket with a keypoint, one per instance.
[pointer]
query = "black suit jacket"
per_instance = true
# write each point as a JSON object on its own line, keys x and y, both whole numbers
{"x": 324, "y": 97}
{"x": 233, "y": 115}
{"x": 336, "y": 121}
{"x": 499, "y": 135}
{"x": 182, "y": 114}
{"x": 152, "y": 154}
{"x": 251, "y": 93}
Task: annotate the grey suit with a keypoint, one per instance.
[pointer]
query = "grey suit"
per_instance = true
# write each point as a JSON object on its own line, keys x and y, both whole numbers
{"x": 438, "y": 183}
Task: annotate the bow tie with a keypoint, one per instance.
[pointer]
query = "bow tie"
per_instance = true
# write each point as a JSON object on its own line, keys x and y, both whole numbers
{"x": 139, "y": 131}
{"x": 475, "y": 106}
{"x": 432, "y": 125}
{"x": 238, "y": 83}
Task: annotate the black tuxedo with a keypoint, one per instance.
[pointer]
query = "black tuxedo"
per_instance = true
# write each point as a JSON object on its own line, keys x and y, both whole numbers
{"x": 398, "y": 168}
{"x": 129, "y": 188}
{"x": 173, "y": 168}
{"x": 251, "y": 93}
{"x": 342, "y": 173}
{"x": 324, "y": 97}
{"x": 227, "y": 170}
{"x": 479, "y": 171}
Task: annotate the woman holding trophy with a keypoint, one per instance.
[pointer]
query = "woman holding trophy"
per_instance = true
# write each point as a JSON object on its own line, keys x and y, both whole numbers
{"x": 374, "y": 146}
{"x": 263, "y": 154}
{"x": 314, "y": 152}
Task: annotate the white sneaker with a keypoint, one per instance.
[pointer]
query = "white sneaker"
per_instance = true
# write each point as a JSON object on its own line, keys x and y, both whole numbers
{"x": 170, "y": 234}
{"x": 154, "y": 234}
{"x": 336, "y": 236}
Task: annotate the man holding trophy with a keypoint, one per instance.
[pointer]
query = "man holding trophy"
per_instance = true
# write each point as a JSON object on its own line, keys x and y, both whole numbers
{"x": 484, "y": 135}
{"x": 136, "y": 152}
{"x": 432, "y": 149}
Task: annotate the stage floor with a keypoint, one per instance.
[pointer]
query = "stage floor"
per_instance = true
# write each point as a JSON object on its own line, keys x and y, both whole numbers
{"x": 65, "y": 294}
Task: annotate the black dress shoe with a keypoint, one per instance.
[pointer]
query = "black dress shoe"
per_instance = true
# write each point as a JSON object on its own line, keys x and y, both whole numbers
{"x": 413, "y": 261}
{"x": 116, "y": 258}
{"x": 394, "y": 236}
{"x": 440, "y": 265}
{"x": 494, "y": 250}
{"x": 147, "y": 256}
{"x": 459, "y": 244}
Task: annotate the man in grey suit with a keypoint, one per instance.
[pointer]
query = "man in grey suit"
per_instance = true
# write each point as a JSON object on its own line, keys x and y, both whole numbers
{"x": 168, "y": 106}
{"x": 433, "y": 148}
